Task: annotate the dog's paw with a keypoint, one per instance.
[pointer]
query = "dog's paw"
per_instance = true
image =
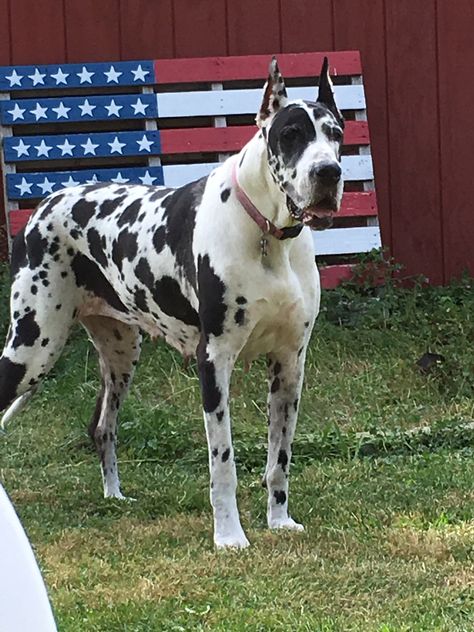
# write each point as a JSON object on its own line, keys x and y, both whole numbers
{"x": 119, "y": 496}
{"x": 232, "y": 541}
{"x": 288, "y": 523}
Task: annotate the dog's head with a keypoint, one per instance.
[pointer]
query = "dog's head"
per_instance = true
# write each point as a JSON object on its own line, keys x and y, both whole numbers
{"x": 304, "y": 140}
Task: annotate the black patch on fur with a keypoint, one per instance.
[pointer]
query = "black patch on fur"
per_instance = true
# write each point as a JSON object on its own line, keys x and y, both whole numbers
{"x": 169, "y": 298}
{"x": 220, "y": 415}
{"x": 144, "y": 273}
{"x": 124, "y": 247}
{"x": 239, "y": 316}
{"x": 283, "y": 459}
{"x": 275, "y": 385}
{"x": 90, "y": 277}
{"x": 18, "y": 259}
{"x": 27, "y": 331}
{"x": 180, "y": 218}
{"x": 97, "y": 246}
{"x": 140, "y": 300}
{"x": 107, "y": 207}
{"x": 225, "y": 195}
{"x": 82, "y": 211}
{"x": 241, "y": 300}
{"x": 276, "y": 368}
{"x": 212, "y": 309}
{"x": 129, "y": 215}
{"x": 211, "y": 394}
{"x": 159, "y": 238}
{"x": 11, "y": 374}
{"x": 291, "y": 132}
{"x": 36, "y": 247}
{"x": 280, "y": 497}
{"x": 225, "y": 455}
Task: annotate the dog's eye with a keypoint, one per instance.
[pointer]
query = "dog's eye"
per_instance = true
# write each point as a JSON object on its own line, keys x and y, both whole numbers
{"x": 290, "y": 133}
{"x": 336, "y": 134}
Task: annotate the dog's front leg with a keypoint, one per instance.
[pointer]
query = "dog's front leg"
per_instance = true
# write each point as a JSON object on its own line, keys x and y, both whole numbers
{"x": 285, "y": 379}
{"x": 215, "y": 368}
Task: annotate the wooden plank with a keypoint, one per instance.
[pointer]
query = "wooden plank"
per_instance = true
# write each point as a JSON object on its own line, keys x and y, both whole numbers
{"x": 345, "y": 241}
{"x": 253, "y": 27}
{"x": 92, "y": 30}
{"x": 307, "y": 25}
{"x": 361, "y": 25}
{"x": 72, "y": 109}
{"x": 146, "y": 29}
{"x": 208, "y": 69}
{"x": 199, "y": 28}
{"x": 456, "y": 61}
{"x": 228, "y": 102}
{"x": 332, "y": 276}
{"x": 5, "y": 33}
{"x": 18, "y": 219}
{"x": 37, "y": 31}
{"x": 414, "y": 137}
{"x": 229, "y": 139}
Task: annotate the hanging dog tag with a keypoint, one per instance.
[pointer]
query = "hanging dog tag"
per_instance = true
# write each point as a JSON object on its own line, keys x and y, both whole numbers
{"x": 264, "y": 246}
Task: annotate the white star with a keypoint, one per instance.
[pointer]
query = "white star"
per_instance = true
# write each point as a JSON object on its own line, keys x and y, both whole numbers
{"x": 60, "y": 77}
{"x": 144, "y": 144}
{"x": 22, "y": 149}
{"x": 37, "y": 78}
{"x": 43, "y": 149}
{"x": 24, "y": 186}
{"x": 61, "y": 111}
{"x": 112, "y": 75}
{"x": 66, "y": 148}
{"x": 86, "y": 108}
{"x": 119, "y": 179}
{"x": 39, "y": 112}
{"x": 147, "y": 178}
{"x": 113, "y": 109}
{"x": 17, "y": 112}
{"x": 116, "y": 146}
{"x": 70, "y": 182}
{"x": 89, "y": 147}
{"x": 85, "y": 75}
{"x": 139, "y": 107}
{"x": 139, "y": 73}
{"x": 14, "y": 79}
{"x": 93, "y": 180}
{"x": 46, "y": 186}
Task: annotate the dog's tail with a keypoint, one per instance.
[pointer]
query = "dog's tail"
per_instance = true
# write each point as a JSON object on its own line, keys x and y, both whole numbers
{"x": 15, "y": 407}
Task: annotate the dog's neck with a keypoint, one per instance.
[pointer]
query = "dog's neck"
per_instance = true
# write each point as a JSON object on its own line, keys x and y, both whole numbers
{"x": 256, "y": 180}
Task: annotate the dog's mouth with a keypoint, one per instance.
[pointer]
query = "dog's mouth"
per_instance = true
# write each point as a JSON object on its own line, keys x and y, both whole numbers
{"x": 317, "y": 216}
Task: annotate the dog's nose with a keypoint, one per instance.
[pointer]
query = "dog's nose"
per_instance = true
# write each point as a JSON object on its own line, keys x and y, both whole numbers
{"x": 327, "y": 172}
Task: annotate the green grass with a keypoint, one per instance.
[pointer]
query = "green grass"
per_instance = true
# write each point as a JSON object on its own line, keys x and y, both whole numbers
{"x": 388, "y": 505}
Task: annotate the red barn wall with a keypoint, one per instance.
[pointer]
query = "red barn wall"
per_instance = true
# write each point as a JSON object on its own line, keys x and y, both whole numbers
{"x": 417, "y": 57}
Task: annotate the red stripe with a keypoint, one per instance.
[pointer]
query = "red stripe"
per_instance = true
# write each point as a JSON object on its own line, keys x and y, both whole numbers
{"x": 253, "y": 67}
{"x": 332, "y": 276}
{"x": 360, "y": 204}
{"x": 229, "y": 139}
{"x": 18, "y": 219}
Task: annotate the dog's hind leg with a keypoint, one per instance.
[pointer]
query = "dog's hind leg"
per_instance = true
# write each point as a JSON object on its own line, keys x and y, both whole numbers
{"x": 285, "y": 375}
{"x": 118, "y": 346}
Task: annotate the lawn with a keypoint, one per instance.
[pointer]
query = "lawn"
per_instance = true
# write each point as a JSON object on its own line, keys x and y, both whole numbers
{"x": 383, "y": 479}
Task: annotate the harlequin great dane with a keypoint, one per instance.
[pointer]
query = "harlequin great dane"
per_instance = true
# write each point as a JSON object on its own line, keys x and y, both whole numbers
{"x": 221, "y": 268}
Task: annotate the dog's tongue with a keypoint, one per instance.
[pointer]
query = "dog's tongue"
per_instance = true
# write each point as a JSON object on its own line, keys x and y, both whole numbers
{"x": 319, "y": 212}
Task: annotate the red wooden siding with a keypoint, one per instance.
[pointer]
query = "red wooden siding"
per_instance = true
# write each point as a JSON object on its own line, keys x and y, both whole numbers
{"x": 417, "y": 60}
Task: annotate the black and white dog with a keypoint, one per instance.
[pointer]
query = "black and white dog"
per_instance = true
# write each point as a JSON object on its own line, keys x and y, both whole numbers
{"x": 222, "y": 268}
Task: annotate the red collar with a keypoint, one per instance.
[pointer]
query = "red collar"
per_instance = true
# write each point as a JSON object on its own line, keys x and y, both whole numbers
{"x": 265, "y": 225}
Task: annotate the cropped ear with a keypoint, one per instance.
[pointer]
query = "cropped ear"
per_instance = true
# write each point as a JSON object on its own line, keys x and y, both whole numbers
{"x": 326, "y": 94}
{"x": 274, "y": 95}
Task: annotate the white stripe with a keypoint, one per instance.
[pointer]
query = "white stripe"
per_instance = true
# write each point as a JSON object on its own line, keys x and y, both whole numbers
{"x": 228, "y": 102}
{"x": 345, "y": 241}
{"x": 354, "y": 168}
